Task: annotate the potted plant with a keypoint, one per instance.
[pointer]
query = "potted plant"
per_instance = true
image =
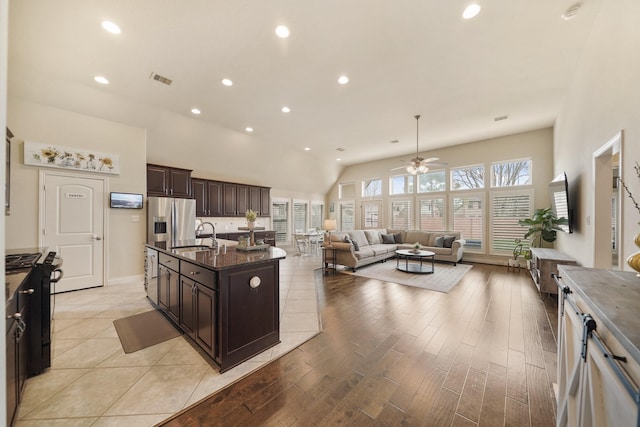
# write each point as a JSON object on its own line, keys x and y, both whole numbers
{"x": 416, "y": 247}
{"x": 517, "y": 251}
{"x": 542, "y": 226}
{"x": 251, "y": 217}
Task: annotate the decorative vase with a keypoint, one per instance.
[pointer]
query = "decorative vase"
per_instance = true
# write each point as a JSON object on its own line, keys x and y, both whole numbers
{"x": 251, "y": 225}
{"x": 634, "y": 259}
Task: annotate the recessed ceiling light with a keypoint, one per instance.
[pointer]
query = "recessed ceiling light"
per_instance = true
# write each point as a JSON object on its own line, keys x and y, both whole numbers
{"x": 307, "y": 149}
{"x": 111, "y": 27}
{"x": 282, "y": 31}
{"x": 472, "y": 10}
{"x": 286, "y": 109}
{"x": 196, "y": 111}
{"x": 571, "y": 12}
{"x": 248, "y": 129}
{"x": 343, "y": 80}
{"x": 101, "y": 80}
{"x": 227, "y": 82}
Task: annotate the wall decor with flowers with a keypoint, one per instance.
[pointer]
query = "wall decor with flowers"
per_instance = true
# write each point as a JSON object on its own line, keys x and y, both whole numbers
{"x": 37, "y": 154}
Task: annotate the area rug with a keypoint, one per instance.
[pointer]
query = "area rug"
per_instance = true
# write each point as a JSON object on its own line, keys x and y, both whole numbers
{"x": 144, "y": 330}
{"x": 446, "y": 276}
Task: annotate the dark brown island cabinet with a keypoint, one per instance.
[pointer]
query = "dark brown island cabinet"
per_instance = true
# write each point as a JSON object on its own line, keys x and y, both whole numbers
{"x": 225, "y": 301}
{"x": 166, "y": 181}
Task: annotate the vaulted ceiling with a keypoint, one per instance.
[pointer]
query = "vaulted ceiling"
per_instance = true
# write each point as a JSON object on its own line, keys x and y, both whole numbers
{"x": 502, "y": 72}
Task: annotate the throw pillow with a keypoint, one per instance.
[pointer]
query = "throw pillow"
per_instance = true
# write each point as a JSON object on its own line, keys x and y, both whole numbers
{"x": 397, "y": 237}
{"x": 448, "y": 241}
{"x": 388, "y": 239}
{"x": 356, "y": 247}
{"x": 439, "y": 243}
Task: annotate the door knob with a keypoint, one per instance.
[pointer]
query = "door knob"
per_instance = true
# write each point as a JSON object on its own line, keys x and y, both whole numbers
{"x": 96, "y": 237}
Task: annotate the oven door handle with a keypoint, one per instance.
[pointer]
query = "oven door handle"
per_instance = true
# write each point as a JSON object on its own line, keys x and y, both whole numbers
{"x": 55, "y": 278}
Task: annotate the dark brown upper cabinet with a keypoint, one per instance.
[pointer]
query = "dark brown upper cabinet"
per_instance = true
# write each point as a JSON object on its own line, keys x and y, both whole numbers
{"x": 165, "y": 181}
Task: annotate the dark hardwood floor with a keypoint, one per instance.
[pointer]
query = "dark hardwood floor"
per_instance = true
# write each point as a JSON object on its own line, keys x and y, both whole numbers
{"x": 389, "y": 355}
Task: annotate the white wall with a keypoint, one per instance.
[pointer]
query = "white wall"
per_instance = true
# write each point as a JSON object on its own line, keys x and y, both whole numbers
{"x": 603, "y": 99}
{"x": 4, "y": 21}
{"x": 48, "y": 125}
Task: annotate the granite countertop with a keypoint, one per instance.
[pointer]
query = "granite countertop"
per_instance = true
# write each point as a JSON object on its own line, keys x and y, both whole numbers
{"x": 219, "y": 258}
{"x": 614, "y": 298}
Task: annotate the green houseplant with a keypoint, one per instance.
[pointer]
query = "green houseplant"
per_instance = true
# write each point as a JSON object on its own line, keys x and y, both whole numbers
{"x": 542, "y": 226}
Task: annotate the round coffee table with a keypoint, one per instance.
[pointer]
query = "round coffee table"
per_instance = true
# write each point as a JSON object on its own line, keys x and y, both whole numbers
{"x": 413, "y": 267}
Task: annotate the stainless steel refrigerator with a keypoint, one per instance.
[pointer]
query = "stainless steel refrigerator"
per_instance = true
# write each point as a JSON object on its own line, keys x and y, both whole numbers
{"x": 170, "y": 220}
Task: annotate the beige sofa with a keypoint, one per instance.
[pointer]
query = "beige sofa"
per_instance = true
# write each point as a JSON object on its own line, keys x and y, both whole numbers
{"x": 380, "y": 244}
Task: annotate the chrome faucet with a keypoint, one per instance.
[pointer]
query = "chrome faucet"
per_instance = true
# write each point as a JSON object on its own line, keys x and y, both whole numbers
{"x": 213, "y": 227}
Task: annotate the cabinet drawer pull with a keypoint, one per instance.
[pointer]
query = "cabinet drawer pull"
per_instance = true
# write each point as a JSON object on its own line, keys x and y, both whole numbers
{"x": 193, "y": 273}
{"x": 254, "y": 282}
{"x": 27, "y": 291}
{"x": 16, "y": 316}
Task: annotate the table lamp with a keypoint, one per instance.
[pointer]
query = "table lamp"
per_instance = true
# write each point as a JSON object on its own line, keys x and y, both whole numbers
{"x": 329, "y": 225}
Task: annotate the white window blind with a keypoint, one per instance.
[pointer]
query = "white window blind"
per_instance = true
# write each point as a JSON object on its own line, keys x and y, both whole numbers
{"x": 280, "y": 218}
{"x": 300, "y": 216}
{"x": 347, "y": 216}
{"x": 401, "y": 214}
{"x": 468, "y": 219}
{"x": 431, "y": 214}
{"x": 317, "y": 214}
{"x": 506, "y": 209}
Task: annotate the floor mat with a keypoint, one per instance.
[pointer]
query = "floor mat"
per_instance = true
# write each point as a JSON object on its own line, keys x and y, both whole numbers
{"x": 144, "y": 330}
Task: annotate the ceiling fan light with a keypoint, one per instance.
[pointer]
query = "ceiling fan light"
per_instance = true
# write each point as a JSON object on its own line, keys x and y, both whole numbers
{"x": 422, "y": 169}
{"x": 411, "y": 169}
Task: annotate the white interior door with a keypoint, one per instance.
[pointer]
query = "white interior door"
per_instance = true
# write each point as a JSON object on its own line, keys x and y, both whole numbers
{"x": 73, "y": 226}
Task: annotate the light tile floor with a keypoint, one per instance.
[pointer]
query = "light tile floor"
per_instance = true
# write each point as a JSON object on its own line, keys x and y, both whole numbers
{"x": 92, "y": 382}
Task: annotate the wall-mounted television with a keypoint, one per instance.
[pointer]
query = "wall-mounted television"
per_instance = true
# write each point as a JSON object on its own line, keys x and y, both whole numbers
{"x": 559, "y": 192}
{"x": 126, "y": 200}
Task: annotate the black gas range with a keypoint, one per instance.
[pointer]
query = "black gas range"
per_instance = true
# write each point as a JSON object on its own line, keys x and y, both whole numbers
{"x": 44, "y": 268}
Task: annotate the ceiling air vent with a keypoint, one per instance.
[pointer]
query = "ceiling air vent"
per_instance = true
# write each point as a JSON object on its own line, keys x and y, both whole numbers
{"x": 500, "y": 118}
{"x": 160, "y": 78}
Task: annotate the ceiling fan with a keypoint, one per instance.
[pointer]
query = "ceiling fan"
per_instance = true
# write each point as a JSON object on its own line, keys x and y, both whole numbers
{"x": 419, "y": 165}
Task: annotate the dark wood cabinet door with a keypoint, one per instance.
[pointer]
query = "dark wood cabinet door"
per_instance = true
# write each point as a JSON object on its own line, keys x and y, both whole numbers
{"x": 187, "y": 306}
{"x": 254, "y": 200}
{"x": 242, "y": 199}
{"x": 180, "y": 183}
{"x": 158, "y": 181}
{"x": 12, "y": 371}
{"x": 230, "y": 191}
{"x": 252, "y": 307}
{"x": 199, "y": 190}
{"x": 206, "y": 319}
{"x": 173, "y": 309}
{"x": 214, "y": 196}
{"x": 265, "y": 201}
{"x": 163, "y": 287}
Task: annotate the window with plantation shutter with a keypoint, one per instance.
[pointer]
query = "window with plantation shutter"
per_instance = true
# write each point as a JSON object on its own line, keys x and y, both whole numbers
{"x": 300, "y": 220}
{"x": 347, "y": 216}
{"x": 401, "y": 214}
{"x": 371, "y": 214}
{"x": 467, "y": 212}
{"x": 317, "y": 215}
{"x": 507, "y": 207}
{"x": 431, "y": 213}
{"x": 280, "y": 218}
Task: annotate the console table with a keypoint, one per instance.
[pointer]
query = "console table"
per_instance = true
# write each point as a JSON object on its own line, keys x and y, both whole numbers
{"x": 543, "y": 263}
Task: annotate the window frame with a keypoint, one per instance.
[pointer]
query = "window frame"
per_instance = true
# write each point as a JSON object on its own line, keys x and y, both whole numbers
{"x": 493, "y": 175}
{"x": 444, "y": 181}
{"x": 407, "y": 185}
{"x": 482, "y": 195}
{"x": 452, "y": 187}
{"x": 514, "y": 192}
{"x": 369, "y": 181}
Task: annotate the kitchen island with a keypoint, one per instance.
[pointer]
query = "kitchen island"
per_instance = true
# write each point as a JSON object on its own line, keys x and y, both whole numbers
{"x": 225, "y": 300}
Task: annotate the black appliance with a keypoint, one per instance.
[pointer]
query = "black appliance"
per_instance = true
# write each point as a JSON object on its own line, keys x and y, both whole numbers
{"x": 45, "y": 270}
